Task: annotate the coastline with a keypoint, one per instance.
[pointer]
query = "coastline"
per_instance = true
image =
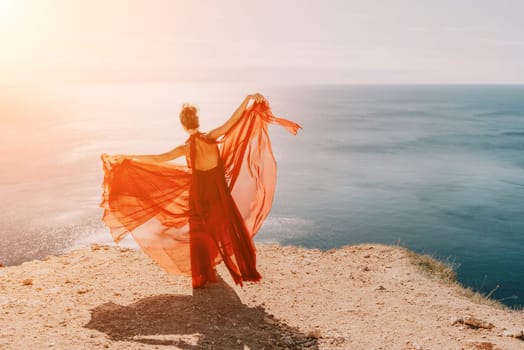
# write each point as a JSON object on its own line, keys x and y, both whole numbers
{"x": 365, "y": 296}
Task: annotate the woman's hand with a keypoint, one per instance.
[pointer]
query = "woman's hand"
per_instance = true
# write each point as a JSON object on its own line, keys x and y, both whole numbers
{"x": 258, "y": 98}
{"x": 118, "y": 158}
{"x": 237, "y": 114}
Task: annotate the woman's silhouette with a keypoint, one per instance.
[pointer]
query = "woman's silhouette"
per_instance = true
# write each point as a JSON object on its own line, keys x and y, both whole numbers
{"x": 188, "y": 219}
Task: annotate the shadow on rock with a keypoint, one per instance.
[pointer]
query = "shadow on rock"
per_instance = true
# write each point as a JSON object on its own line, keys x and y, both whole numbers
{"x": 213, "y": 318}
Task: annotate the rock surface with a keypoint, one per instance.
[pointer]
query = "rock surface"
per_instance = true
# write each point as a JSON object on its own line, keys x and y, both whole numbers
{"x": 367, "y": 296}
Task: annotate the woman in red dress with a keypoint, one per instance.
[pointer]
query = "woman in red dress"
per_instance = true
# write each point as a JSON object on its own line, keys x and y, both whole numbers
{"x": 189, "y": 219}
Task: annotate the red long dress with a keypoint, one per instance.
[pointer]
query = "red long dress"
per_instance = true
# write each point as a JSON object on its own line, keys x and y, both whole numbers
{"x": 188, "y": 220}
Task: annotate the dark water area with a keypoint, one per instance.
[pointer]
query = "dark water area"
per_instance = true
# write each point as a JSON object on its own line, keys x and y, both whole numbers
{"x": 439, "y": 169}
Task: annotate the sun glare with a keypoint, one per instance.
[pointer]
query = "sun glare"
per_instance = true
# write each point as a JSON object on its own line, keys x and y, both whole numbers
{"x": 9, "y": 12}
{"x": 6, "y": 7}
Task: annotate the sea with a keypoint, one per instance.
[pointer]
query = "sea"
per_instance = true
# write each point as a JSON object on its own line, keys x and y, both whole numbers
{"x": 438, "y": 169}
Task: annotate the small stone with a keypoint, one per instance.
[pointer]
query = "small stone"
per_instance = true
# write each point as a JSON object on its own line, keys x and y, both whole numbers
{"x": 1, "y": 265}
{"x": 514, "y": 334}
{"x": 416, "y": 346}
{"x": 381, "y": 288}
{"x": 27, "y": 282}
{"x": 473, "y": 322}
{"x": 485, "y": 346}
{"x": 366, "y": 256}
{"x": 288, "y": 340}
{"x": 270, "y": 320}
{"x": 337, "y": 340}
{"x": 365, "y": 268}
{"x": 82, "y": 291}
{"x": 314, "y": 334}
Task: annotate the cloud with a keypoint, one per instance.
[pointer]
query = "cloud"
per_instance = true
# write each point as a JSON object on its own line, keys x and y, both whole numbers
{"x": 505, "y": 42}
{"x": 468, "y": 29}
{"x": 418, "y": 29}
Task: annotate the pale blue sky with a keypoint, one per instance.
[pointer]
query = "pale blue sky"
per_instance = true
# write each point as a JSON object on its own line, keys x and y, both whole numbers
{"x": 388, "y": 41}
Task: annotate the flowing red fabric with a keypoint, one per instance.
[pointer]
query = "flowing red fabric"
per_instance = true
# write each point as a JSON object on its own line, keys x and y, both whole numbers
{"x": 188, "y": 220}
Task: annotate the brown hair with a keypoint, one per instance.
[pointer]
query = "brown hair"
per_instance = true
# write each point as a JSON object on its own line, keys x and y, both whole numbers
{"x": 189, "y": 116}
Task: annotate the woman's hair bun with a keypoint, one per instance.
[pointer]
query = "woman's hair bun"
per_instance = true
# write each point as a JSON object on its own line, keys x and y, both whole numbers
{"x": 189, "y": 116}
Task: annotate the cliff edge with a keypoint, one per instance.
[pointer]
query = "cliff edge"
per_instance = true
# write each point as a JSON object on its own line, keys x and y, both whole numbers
{"x": 366, "y": 296}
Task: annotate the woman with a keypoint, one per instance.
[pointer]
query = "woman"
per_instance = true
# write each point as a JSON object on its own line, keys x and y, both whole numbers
{"x": 189, "y": 219}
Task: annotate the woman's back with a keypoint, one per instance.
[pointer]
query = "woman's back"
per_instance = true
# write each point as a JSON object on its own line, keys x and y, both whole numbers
{"x": 206, "y": 153}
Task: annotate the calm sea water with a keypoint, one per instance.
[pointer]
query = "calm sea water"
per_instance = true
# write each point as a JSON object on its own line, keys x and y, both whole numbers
{"x": 438, "y": 168}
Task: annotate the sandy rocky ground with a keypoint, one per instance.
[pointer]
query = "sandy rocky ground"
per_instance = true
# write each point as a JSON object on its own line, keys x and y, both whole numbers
{"x": 367, "y": 296}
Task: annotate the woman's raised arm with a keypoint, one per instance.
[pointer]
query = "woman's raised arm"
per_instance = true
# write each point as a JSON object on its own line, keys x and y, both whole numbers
{"x": 176, "y": 152}
{"x": 221, "y": 130}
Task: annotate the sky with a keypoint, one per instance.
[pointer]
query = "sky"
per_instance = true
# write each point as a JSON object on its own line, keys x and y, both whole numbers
{"x": 284, "y": 41}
